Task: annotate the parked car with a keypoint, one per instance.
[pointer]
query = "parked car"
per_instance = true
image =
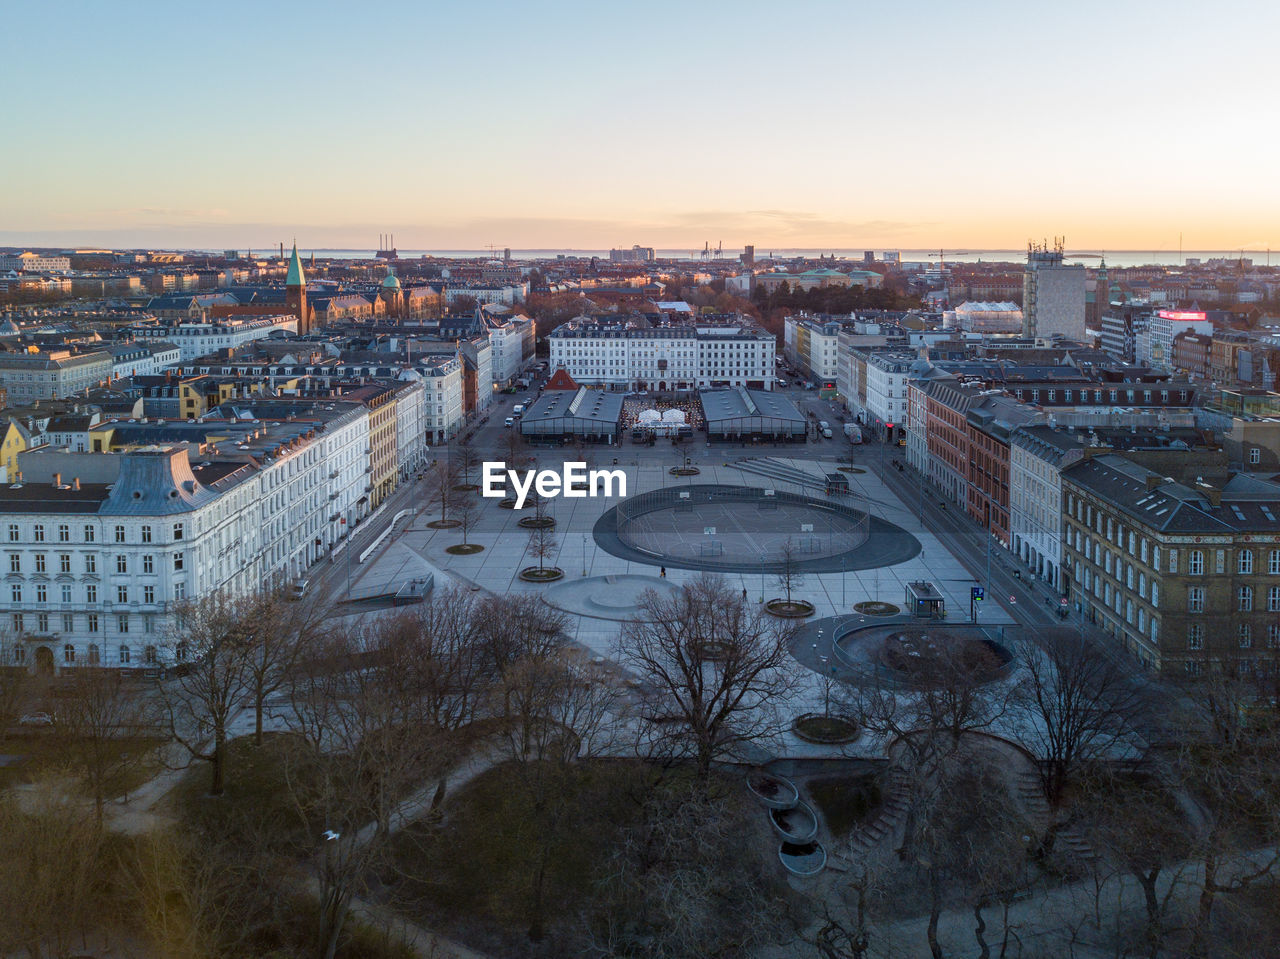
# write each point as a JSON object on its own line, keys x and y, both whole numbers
{"x": 36, "y": 719}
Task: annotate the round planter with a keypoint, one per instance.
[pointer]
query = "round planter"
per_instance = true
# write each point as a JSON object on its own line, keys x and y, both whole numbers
{"x": 548, "y": 574}
{"x": 684, "y": 471}
{"x": 773, "y": 792}
{"x": 444, "y": 524}
{"x": 873, "y": 607}
{"x": 825, "y": 730}
{"x": 796, "y": 609}
{"x": 508, "y": 503}
{"x": 797, "y": 825}
{"x": 807, "y": 859}
{"x": 464, "y": 549}
{"x": 714, "y": 650}
{"x": 850, "y": 469}
{"x": 537, "y": 522}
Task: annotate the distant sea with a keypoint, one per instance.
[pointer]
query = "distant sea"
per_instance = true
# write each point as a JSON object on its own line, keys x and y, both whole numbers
{"x": 1121, "y": 258}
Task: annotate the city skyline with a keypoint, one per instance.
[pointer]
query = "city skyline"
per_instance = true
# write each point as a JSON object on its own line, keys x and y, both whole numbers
{"x": 589, "y": 128}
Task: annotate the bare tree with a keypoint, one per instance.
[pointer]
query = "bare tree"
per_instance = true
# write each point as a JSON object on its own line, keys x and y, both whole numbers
{"x": 211, "y": 649}
{"x": 354, "y": 707}
{"x": 440, "y": 489}
{"x": 1076, "y": 704}
{"x": 514, "y": 628}
{"x": 713, "y": 670}
{"x": 557, "y": 708}
{"x": 789, "y": 576}
{"x": 14, "y": 678}
{"x": 101, "y": 725}
{"x": 542, "y": 543}
{"x": 50, "y": 851}
{"x": 467, "y": 513}
{"x": 277, "y": 635}
{"x": 464, "y": 458}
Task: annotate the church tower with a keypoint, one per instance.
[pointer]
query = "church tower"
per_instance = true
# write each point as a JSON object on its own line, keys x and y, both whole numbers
{"x": 295, "y": 292}
{"x": 392, "y": 294}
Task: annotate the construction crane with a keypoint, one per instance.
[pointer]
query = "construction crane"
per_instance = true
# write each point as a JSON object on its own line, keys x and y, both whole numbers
{"x": 942, "y": 256}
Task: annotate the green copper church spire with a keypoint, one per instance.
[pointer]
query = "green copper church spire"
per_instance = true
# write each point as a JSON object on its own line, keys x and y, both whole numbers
{"x": 295, "y": 277}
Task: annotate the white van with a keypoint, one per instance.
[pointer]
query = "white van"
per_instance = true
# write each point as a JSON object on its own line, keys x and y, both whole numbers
{"x": 824, "y": 426}
{"x": 826, "y": 432}
{"x": 517, "y": 410}
{"x": 299, "y": 589}
{"x": 510, "y": 421}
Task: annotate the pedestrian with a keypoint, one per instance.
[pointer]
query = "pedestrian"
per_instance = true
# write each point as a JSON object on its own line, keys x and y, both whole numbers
{"x": 662, "y": 572}
{"x": 744, "y": 594}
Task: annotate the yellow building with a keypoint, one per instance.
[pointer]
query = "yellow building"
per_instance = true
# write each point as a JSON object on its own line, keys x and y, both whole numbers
{"x": 16, "y": 440}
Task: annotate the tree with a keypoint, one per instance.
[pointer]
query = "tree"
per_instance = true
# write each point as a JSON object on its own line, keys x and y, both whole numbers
{"x": 713, "y": 670}
{"x": 1076, "y": 702}
{"x": 789, "y": 575}
{"x": 467, "y": 512}
{"x": 464, "y": 458}
{"x": 557, "y": 708}
{"x": 542, "y": 543}
{"x": 211, "y": 648}
{"x": 355, "y": 707}
{"x": 440, "y": 489}
{"x": 279, "y": 633}
{"x": 14, "y": 679}
{"x": 100, "y": 723}
{"x": 50, "y": 864}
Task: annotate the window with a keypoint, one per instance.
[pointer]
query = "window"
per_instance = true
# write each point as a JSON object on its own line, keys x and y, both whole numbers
{"x": 64, "y": 533}
{"x": 92, "y": 622}
{"x": 16, "y": 592}
{"x": 119, "y": 534}
{"x": 1195, "y": 599}
{"x": 148, "y": 563}
{"x": 90, "y": 563}
{"x": 89, "y": 535}
{"x": 124, "y": 655}
{"x": 38, "y": 532}
{"x": 1155, "y": 595}
{"x": 68, "y": 653}
{"x": 1195, "y": 636}
{"x": 1195, "y": 563}
{"x": 94, "y": 656}
{"x": 177, "y": 561}
{"x": 1255, "y": 455}
{"x": 1244, "y": 598}
{"x": 42, "y": 623}
{"x": 1273, "y": 562}
{"x": 1273, "y": 636}
{"x": 1193, "y": 667}
{"x": 179, "y": 590}
{"x": 68, "y": 623}
{"x": 149, "y": 655}
{"x": 122, "y": 623}
{"x": 13, "y": 532}
{"x": 17, "y": 623}
{"x": 146, "y": 534}
{"x": 148, "y": 594}
{"x": 122, "y": 564}
{"x": 1273, "y": 599}
{"x": 177, "y": 531}
{"x": 15, "y": 563}
{"x": 64, "y": 562}
{"x": 91, "y": 593}
{"x": 1244, "y": 635}
{"x": 1244, "y": 564}
{"x": 66, "y": 593}
{"x": 42, "y": 593}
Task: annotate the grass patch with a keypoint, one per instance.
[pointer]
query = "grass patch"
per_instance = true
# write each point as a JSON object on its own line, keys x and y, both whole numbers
{"x": 845, "y": 801}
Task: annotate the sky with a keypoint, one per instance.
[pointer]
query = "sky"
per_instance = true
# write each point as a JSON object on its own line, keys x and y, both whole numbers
{"x": 1121, "y": 125}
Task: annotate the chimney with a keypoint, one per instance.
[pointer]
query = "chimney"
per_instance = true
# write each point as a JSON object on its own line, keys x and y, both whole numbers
{"x": 57, "y": 480}
{"x": 75, "y": 483}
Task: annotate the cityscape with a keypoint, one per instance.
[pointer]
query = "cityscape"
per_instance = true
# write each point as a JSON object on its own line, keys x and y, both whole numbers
{"x": 462, "y": 547}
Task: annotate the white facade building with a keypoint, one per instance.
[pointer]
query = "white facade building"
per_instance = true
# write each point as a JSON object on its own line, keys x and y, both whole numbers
{"x": 665, "y": 358}
{"x": 441, "y": 398}
{"x": 201, "y": 339}
{"x": 1053, "y": 299}
{"x": 35, "y": 263}
{"x": 812, "y": 346}
{"x": 887, "y": 375}
{"x": 1037, "y": 456}
{"x": 1163, "y": 327}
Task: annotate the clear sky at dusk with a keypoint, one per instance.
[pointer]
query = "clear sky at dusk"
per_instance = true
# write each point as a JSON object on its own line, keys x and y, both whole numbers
{"x": 803, "y": 124}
